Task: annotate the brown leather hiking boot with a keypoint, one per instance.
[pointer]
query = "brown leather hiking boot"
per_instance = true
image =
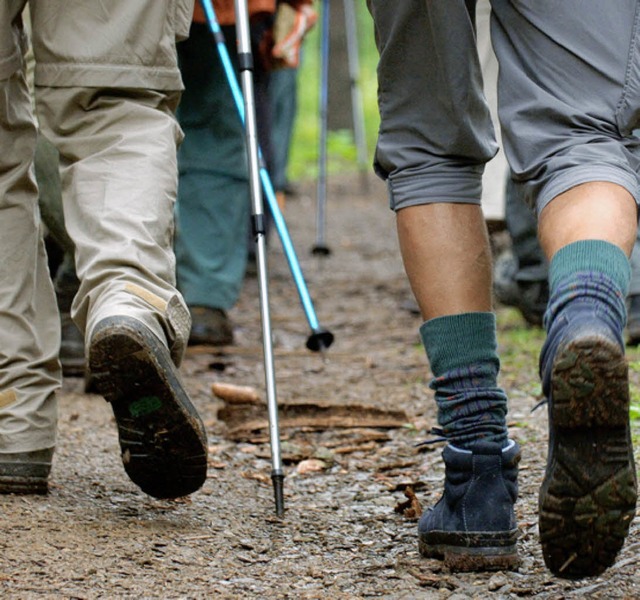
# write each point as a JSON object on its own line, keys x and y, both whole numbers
{"x": 163, "y": 440}
{"x": 210, "y": 327}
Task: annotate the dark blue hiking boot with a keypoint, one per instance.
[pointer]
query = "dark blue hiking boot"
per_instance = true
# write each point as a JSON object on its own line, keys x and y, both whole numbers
{"x": 473, "y": 525}
{"x": 588, "y": 496}
{"x": 163, "y": 440}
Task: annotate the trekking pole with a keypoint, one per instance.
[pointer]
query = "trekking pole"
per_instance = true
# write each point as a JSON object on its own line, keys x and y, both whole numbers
{"x": 245, "y": 60}
{"x": 356, "y": 95}
{"x": 320, "y": 248}
{"x": 320, "y": 338}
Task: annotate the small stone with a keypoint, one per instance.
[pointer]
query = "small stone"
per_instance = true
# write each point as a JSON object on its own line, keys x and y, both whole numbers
{"x": 497, "y": 581}
{"x": 311, "y": 465}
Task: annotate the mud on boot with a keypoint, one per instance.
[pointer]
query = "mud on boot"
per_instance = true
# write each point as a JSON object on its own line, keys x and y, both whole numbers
{"x": 473, "y": 525}
{"x": 162, "y": 438}
{"x": 588, "y": 495}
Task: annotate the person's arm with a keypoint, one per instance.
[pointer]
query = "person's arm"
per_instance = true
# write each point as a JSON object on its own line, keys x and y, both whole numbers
{"x": 294, "y": 18}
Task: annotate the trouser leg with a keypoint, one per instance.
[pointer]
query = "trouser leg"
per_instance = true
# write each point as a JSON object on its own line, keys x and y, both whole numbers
{"x": 214, "y": 198}
{"x": 29, "y": 324}
{"x": 119, "y": 199}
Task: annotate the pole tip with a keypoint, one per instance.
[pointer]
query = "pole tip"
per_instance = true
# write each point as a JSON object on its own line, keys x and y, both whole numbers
{"x": 321, "y": 250}
{"x": 278, "y": 491}
{"x": 319, "y": 340}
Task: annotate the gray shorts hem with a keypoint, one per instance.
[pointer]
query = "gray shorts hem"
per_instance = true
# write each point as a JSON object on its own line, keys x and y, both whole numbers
{"x": 457, "y": 188}
{"x": 439, "y": 200}
{"x": 586, "y": 174}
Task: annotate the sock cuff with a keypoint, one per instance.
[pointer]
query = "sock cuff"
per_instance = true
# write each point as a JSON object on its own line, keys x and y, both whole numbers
{"x": 455, "y": 341}
{"x": 591, "y": 255}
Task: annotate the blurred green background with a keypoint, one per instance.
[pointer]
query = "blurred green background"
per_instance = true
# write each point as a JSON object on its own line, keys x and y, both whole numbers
{"x": 341, "y": 147}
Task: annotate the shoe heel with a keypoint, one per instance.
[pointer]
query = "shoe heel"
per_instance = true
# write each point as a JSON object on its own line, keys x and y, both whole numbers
{"x": 482, "y": 559}
{"x": 588, "y": 496}
{"x": 590, "y": 385}
{"x": 162, "y": 438}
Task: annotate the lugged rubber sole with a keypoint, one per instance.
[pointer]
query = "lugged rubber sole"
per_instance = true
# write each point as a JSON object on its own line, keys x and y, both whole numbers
{"x": 588, "y": 495}
{"x": 472, "y": 551}
{"x": 24, "y": 485}
{"x": 163, "y": 442}
{"x": 25, "y": 472}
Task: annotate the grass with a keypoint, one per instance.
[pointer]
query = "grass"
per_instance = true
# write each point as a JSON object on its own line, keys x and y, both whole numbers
{"x": 634, "y": 371}
{"x": 341, "y": 147}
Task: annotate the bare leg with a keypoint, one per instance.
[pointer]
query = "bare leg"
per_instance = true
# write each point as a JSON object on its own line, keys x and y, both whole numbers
{"x": 446, "y": 253}
{"x": 596, "y": 210}
{"x": 445, "y": 248}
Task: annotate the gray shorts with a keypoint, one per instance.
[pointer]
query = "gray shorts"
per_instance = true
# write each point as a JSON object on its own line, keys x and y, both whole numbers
{"x": 569, "y": 97}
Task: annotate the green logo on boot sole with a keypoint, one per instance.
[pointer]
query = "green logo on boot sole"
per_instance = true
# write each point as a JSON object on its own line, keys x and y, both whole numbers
{"x": 144, "y": 406}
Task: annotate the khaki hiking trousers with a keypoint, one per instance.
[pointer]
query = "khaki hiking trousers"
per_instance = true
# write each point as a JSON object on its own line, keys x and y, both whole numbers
{"x": 106, "y": 87}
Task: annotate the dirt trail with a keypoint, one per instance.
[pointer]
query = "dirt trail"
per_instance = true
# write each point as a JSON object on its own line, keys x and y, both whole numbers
{"x": 97, "y": 536}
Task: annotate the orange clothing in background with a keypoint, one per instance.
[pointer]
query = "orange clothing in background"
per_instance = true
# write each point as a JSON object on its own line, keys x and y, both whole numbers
{"x": 226, "y": 14}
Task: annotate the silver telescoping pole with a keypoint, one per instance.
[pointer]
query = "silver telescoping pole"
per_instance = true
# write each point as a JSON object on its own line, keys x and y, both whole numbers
{"x": 320, "y": 248}
{"x": 356, "y": 94}
{"x": 245, "y": 61}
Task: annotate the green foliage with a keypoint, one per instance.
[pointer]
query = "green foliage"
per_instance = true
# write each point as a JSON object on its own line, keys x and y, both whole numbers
{"x": 518, "y": 341}
{"x": 341, "y": 149}
{"x": 634, "y": 368}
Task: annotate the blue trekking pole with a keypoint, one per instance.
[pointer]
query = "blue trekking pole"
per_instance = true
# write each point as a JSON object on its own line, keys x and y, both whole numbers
{"x": 320, "y": 338}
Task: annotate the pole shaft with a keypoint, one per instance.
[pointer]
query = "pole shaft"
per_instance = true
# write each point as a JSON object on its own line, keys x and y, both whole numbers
{"x": 269, "y": 192}
{"x": 246, "y": 74}
{"x": 323, "y": 102}
{"x": 354, "y": 77}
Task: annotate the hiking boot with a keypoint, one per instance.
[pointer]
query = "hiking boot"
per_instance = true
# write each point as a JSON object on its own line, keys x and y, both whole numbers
{"x": 210, "y": 327}
{"x": 473, "y": 525}
{"x": 588, "y": 495}
{"x": 533, "y": 299}
{"x": 25, "y": 472}
{"x": 633, "y": 320}
{"x": 530, "y": 297}
{"x": 71, "y": 348}
{"x": 163, "y": 441}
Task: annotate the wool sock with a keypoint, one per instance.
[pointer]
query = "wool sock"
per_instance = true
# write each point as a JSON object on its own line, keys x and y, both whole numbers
{"x": 592, "y": 271}
{"x": 462, "y": 353}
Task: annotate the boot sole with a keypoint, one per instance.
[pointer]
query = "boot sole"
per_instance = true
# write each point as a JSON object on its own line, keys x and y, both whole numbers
{"x": 24, "y": 485}
{"x": 588, "y": 496}
{"x": 26, "y": 472}
{"x": 162, "y": 438}
{"x": 472, "y": 551}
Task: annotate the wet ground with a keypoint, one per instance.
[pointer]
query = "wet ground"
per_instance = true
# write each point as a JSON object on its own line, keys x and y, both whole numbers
{"x": 346, "y": 532}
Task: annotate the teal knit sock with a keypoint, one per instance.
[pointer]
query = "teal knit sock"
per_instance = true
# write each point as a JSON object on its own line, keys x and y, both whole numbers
{"x": 591, "y": 271}
{"x": 462, "y": 353}
{"x": 588, "y": 281}
{"x": 590, "y": 256}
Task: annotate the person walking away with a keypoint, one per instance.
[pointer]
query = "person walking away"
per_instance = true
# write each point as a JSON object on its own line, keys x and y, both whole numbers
{"x": 568, "y": 103}
{"x": 106, "y": 85}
